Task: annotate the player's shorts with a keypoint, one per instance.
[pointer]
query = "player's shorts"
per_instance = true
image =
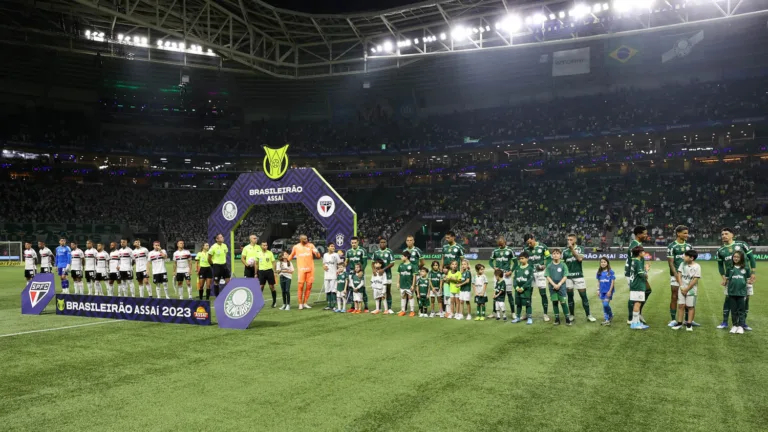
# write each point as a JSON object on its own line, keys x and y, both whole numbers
{"x": 406, "y": 292}
{"x": 306, "y": 276}
{"x": 687, "y": 300}
{"x": 576, "y": 283}
{"x": 220, "y": 271}
{"x": 637, "y": 296}
{"x": 379, "y": 294}
{"x": 205, "y": 273}
{"x": 436, "y": 293}
{"x": 141, "y": 275}
{"x": 61, "y": 271}
{"x": 481, "y": 299}
{"x": 540, "y": 279}
{"x": 102, "y": 277}
{"x": 604, "y": 296}
{"x": 126, "y": 275}
{"x": 508, "y": 283}
{"x": 423, "y": 301}
{"x": 160, "y": 278}
{"x": 673, "y": 281}
{"x": 114, "y": 276}
{"x": 29, "y": 274}
{"x": 45, "y": 270}
{"x": 559, "y": 294}
{"x": 77, "y": 274}
{"x": 180, "y": 277}
{"x": 268, "y": 277}
{"x": 358, "y": 296}
{"x": 329, "y": 285}
{"x": 249, "y": 272}
{"x": 500, "y": 305}
{"x": 90, "y": 275}
{"x": 750, "y": 290}
{"x": 465, "y": 296}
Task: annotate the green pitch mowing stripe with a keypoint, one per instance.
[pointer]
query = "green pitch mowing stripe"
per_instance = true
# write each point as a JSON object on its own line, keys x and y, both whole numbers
{"x": 302, "y": 370}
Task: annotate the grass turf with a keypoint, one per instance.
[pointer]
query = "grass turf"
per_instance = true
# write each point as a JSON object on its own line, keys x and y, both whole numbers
{"x": 318, "y": 370}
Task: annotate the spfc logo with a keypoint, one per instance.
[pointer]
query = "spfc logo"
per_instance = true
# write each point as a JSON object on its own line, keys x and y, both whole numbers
{"x": 339, "y": 239}
{"x": 325, "y": 206}
{"x": 276, "y": 162}
{"x": 38, "y": 291}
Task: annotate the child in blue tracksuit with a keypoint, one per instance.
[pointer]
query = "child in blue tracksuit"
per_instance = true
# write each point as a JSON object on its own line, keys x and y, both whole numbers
{"x": 607, "y": 279}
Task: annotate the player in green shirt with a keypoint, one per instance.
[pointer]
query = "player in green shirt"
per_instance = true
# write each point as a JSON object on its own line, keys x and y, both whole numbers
{"x": 737, "y": 281}
{"x": 417, "y": 256}
{"x": 539, "y": 260}
{"x": 503, "y": 258}
{"x": 342, "y": 279}
{"x": 452, "y": 251}
{"x": 638, "y": 286}
{"x": 573, "y": 256}
{"x": 436, "y": 289}
{"x": 357, "y": 286}
{"x": 641, "y": 235}
{"x": 523, "y": 279}
{"x": 465, "y": 291}
{"x": 556, "y": 274}
{"x": 725, "y": 262}
{"x": 356, "y": 255}
{"x": 499, "y": 292}
{"x": 423, "y": 284}
{"x": 675, "y": 252}
{"x": 388, "y": 259}
{"x": 408, "y": 277}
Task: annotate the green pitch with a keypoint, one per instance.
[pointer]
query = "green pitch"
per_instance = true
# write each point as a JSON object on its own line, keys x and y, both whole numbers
{"x": 316, "y": 370}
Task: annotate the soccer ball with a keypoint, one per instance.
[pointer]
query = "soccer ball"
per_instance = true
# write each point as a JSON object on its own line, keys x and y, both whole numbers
{"x": 251, "y": 262}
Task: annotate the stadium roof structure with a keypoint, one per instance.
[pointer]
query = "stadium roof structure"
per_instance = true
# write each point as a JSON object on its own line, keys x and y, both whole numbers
{"x": 251, "y": 35}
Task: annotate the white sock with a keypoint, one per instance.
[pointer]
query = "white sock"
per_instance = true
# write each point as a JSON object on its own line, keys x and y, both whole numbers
{"x": 635, "y": 317}
{"x": 165, "y": 288}
{"x": 109, "y": 290}
{"x": 411, "y": 302}
{"x": 402, "y": 304}
{"x": 80, "y": 288}
{"x": 133, "y": 288}
{"x": 180, "y": 290}
{"x": 189, "y": 291}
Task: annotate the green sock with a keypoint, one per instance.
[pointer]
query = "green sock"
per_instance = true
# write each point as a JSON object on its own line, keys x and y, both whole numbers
{"x": 584, "y": 301}
{"x": 630, "y": 306}
{"x": 566, "y": 310}
{"x": 686, "y": 315}
{"x": 544, "y": 303}
{"x": 555, "y": 309}
{"x": 673, "y": 314}
{"x": 746, "y": 309}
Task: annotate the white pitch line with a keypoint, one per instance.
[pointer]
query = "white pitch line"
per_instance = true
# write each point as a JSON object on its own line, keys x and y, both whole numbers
{"x": 58, "y": 328}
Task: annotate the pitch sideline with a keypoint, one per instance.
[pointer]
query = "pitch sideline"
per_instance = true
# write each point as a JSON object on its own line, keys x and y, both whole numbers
{"x": 59, "y": 328}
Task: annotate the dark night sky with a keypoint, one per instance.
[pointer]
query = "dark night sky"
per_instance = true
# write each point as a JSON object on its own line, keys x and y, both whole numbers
{"x": 339, "y": 6}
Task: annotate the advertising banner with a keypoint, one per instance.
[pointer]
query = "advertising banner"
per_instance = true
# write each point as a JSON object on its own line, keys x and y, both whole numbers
{"x": 37, "y": 294}
{"x": 570, "y": 62}
{"x": 239, "y": 303}
{"x": 172, "y": 311}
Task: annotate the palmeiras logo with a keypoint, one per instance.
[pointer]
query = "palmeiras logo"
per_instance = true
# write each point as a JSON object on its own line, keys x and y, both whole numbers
{"x": 229, "y": 210}
{"x": 38, "y": 291}
{"x": 275, "y": 162}
{"x": 238, "y": 303}
{"x": 339, "y": 239}
{"x": 325, "y": 206}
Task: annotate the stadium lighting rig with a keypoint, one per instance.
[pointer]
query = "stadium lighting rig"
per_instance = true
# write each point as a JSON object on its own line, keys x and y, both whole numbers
{"x": 253, "y": 35}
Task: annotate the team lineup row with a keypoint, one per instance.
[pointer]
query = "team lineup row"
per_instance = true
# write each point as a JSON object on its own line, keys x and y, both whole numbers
{"x": 517, "y": 273}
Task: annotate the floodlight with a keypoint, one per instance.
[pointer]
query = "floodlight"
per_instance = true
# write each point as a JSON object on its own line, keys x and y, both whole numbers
{"x": 120, "y": 37}
{"x": 388, "y": 46}
{"x": 442, "y": 36}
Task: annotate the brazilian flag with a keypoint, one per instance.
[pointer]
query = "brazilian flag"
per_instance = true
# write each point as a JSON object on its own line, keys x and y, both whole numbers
{"x": 625, "y": 51}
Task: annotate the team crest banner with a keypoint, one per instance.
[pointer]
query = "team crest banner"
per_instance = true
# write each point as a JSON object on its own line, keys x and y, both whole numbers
{"x": 37, "y": 294}
{"x": 152, "y": 309}
{"x": 239, "y": 303}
